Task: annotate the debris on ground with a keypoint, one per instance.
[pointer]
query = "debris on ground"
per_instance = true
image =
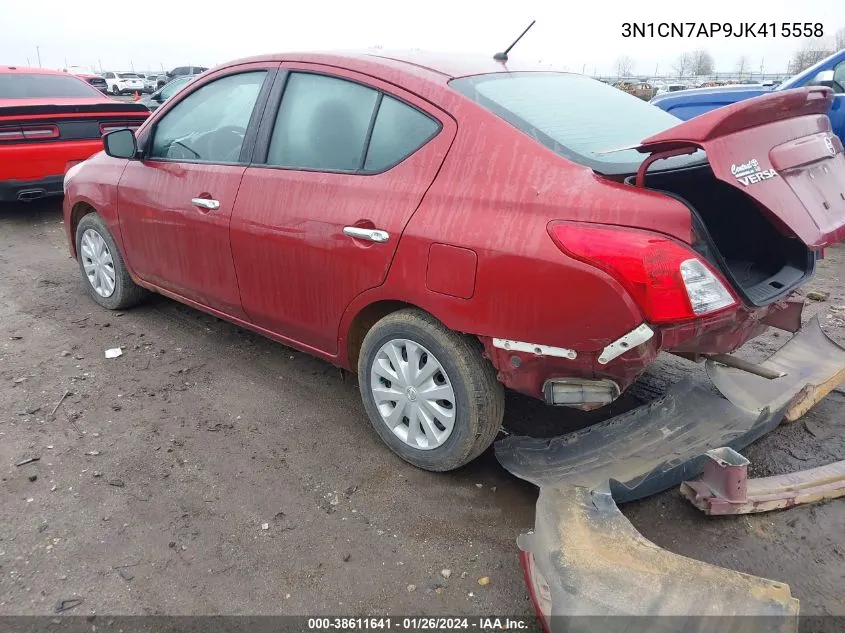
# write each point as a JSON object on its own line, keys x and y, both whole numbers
{"x": 124, "y": 573}
{"x": 114, "y": 352}
{"x": 27, "y": 460}
{"x": 484, "y": 581}
{"x": 59, "y": 403}
{"x": 446, "y": 573}
{"x": 724, "y": 487}
{"x": 815, "y": 295}
{"x": 265, "y": 526}
{"x": 66, "y": 605}
{"x": 32, "y": 477}
{"x": 117, "y": 483}
{"x": 411, "y": 588}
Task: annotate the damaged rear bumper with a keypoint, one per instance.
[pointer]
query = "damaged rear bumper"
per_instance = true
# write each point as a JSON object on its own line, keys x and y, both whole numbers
{"x": 586, "y": 565}
{"x": 585, "y": 559}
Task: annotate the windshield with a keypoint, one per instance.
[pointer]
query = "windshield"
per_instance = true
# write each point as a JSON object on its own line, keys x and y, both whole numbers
{"x": 577, "y": 117}
{"x": 37, "y": 86}
{"x": 127, "y": 75}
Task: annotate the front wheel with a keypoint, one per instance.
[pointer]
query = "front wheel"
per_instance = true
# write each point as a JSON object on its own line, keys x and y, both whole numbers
{"x": 106, "y": 276}
{"x": 429, "y": 394}
{"x": 114, "y": 90}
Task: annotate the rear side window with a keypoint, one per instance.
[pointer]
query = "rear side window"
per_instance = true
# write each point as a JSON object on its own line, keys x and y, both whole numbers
{"x": 210, "y": 123}
{"x": 331, "y": 124}
{"x": 399, "y": 131}
{"x": 577, "y": 117}
{"x": 36, "y": 86}
{"x": 322, "y": 124}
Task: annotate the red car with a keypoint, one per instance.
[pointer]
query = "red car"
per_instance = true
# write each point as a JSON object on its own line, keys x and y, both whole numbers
{"x": 50, "y": 120}
{"x": 447, "y": 226}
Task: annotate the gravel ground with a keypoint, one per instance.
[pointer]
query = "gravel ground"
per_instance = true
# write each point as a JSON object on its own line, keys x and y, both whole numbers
{"x": 210, "y": 471}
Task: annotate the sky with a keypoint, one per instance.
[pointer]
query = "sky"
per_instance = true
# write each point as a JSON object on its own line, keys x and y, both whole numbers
{"x": 579, "y": 37}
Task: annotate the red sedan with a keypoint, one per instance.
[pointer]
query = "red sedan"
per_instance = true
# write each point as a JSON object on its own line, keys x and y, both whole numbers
{"x": 49, "y": 121}
{"x": 449, "y": 226}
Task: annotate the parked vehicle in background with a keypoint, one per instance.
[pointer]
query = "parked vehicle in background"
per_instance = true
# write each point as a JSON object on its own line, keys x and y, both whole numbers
{"x": 341, "y": 204}
{"x": 157, "y": 98}
{"x": 122, "y": 83}
{"x": 179, "y": 71}
{"x": 150, "y": 81}
{"x": 50, "y": 121}
{"x": 667, "y": 88}
{"x": 640, "y": 89}
{"x": 829, "y": 72}
{"x": 95, "y": 80}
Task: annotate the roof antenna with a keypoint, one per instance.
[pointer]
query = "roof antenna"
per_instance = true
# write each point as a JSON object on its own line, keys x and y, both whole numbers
{"x": 503, "y": 57}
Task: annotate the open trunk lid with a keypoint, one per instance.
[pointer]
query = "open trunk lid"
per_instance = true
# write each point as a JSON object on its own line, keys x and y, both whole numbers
{"x": 777, "y": 148}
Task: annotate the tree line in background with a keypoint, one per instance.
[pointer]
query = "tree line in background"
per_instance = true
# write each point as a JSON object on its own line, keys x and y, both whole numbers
{"x": 700, "y": 62}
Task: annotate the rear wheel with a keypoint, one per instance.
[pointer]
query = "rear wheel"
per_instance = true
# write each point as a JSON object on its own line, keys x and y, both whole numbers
{"x": 106, "y": 277}
{"x": 114, "y": 90}
{"x": 428, "y": 392}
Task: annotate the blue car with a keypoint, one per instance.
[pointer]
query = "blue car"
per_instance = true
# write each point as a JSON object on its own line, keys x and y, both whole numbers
{"x": 829, "y": 72}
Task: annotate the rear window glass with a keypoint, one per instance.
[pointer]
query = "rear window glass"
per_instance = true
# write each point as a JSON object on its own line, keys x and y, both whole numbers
{"x": 36, "y": 86}
{"x": 577, "y": 117}
{"x": 128, "y": 76}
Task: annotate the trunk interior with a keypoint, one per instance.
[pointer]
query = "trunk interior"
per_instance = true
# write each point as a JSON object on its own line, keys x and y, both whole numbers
{"x": 762, "y": 261}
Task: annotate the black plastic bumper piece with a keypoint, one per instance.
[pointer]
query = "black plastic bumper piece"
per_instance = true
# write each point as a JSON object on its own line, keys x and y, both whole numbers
{"x": 27, "y": 190}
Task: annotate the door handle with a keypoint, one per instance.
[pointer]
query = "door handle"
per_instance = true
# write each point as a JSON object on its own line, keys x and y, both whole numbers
{"x": 206, "y": 203}
{"x": 372, "y": 235}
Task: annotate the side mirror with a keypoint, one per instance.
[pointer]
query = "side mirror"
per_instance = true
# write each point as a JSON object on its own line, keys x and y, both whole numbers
{"x": 120, "y": 144}
{"x": 824, "y": 78}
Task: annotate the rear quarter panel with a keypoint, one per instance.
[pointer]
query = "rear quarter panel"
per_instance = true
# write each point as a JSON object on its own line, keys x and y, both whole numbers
{"x": 495, "y": 195}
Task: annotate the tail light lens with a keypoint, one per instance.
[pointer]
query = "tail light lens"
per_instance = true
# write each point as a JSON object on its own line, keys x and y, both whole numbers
{"x": 105, "y": 128}
{"x": 29, "y": 133}
{"x": 667, "y": 280}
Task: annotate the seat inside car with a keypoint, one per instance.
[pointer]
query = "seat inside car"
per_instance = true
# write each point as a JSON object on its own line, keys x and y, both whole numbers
{"x": 335, "y": 141}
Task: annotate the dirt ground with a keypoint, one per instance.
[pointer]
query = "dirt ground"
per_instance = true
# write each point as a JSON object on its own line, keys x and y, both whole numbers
{"x": 210, "y": 471}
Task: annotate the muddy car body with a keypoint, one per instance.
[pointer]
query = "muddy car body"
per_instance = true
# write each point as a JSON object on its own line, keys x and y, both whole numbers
{"x": 435, "y": 230}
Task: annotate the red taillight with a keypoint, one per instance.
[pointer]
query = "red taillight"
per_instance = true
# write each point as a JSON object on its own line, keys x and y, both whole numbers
{"x": 668, "y": 281}
{"x": 29, "y": 133}
{"x": 105, "y": 128}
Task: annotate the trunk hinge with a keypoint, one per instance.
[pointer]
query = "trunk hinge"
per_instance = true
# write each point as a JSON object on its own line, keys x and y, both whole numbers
{"x": 669, "y": 153}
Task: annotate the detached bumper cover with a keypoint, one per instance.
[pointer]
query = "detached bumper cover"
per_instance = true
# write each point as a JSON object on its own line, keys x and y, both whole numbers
{"x": 585, "y": 559}
{"x": 642, "y": 452}
{"x": 597, "y": 567}
{"x": 814, "y": 365}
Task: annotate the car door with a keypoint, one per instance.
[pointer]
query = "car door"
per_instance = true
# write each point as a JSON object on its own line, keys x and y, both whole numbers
{"x": 176, "y": 202}
{"x": 343, "y": 161}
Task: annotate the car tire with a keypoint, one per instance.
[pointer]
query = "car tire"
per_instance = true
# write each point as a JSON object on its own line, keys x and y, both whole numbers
{"x": 476, "y": 402}
{"x": 114, "y": 90}
{"x": 114, "y": 290}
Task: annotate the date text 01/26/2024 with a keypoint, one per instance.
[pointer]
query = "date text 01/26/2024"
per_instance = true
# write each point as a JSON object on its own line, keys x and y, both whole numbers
{"x": 723, "y": 29}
